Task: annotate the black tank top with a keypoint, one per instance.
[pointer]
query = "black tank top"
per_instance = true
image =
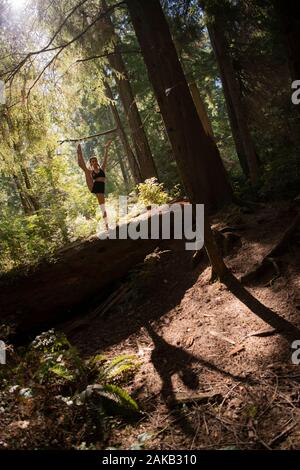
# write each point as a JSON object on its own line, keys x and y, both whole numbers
{"x": 100, "y": 173}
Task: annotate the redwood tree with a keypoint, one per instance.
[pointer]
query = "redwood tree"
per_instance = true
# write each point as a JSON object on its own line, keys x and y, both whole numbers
{"x": 289, "y": 15}
{"x": 215, "y": 22}
{"x": 134, "y": 167}
{"x": 140, "y": 142}
{"x": 199, "y": 163}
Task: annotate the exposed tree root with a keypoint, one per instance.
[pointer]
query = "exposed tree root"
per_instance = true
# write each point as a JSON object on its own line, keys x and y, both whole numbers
{"x": 268, "y": 263}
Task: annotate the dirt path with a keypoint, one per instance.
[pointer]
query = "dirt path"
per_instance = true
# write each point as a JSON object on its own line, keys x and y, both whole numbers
{"x": 203, "y": 382}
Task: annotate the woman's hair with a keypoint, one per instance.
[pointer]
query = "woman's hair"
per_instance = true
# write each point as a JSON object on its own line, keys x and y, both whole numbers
{"x": 92, "y": 158}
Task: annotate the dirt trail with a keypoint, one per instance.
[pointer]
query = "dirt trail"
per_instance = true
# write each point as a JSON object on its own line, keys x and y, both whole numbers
{"x": 206, "y": 381}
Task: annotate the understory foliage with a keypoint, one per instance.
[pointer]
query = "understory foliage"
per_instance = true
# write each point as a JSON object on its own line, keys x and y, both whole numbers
{"x": 64, "y": 401}
{"x": 152, "y": 192}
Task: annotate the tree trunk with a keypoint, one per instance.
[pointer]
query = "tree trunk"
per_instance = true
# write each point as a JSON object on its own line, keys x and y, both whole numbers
{"x": 190, "y": 140}
{"x": 201, "y": 110}
{"x": 33, "y": 201}
{"x": 289, "y": 16}
{"x": 138, "y": 135}
{"x": 199, "y": 163}
{"x": 82, "y": 273}
{"x": 134, "y": 168}
{"x": 26, "y": 206}
{"x": 237, "y": 116}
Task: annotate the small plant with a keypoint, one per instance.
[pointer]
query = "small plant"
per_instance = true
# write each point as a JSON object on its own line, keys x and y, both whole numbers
{"x": 151, "y": 192}
{"x": 110, "y": 374}
{"x": 177, "y": 191}
{"x": 77, "y": 397}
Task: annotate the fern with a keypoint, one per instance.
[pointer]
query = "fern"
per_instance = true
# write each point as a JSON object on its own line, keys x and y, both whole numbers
{"x": 107, "y": 372}
{"x": 62, "y": 372}
{"x": 120, "y": 370}
{"x": 118, "y": 395}
{"x": 118, "y": 365}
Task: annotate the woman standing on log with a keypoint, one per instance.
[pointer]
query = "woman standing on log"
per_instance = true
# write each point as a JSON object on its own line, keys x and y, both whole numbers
{"x": 95, "y": 177}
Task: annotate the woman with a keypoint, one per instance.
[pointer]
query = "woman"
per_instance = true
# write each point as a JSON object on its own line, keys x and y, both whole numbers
{"x": 95, "y": 177}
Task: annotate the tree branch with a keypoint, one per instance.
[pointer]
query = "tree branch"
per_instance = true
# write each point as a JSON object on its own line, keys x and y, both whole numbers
{"x": 107, "y": 54}
{"x": 46, "y": 48}
{"x": 93, "y": 136}
{"x": 64, "y": 22}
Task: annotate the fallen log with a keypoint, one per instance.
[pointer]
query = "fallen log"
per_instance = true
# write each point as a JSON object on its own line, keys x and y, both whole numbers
{"x": 83, "y": 272}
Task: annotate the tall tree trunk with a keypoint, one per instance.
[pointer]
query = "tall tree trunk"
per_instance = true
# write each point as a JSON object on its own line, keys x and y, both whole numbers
{"x": 28, "y": 202}
{"x": 199, "y": 163}
{"x": 202, "y": 113}
{"x": 134, "y": 168}
{"x": 237, "y": 116}
{"x": 33, "y": 200}
{"x": 138, "y": 135}
{"x": 289, "y": 16}
{"x": 118, "y": 154}
{"x": 26, "y": 206}
{"x": 123, "y": 168}
{"x": 190, "y": 143}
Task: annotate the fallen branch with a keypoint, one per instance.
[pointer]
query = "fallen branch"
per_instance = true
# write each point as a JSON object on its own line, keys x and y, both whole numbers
{"x": 93, "y": 136}
{"x": 262, "y": 333}
{"x": 181, "y": 398}
{"x": 283, "y": 434}
{"x": 236, "y": 350}
{"x": 221, "y": 336}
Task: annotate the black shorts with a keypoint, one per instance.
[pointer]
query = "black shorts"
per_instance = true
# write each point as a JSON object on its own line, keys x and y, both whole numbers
{"x": 98, "y": 187}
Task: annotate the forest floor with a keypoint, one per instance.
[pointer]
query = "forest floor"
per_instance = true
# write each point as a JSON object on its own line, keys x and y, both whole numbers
{"x": 213, "y": 374}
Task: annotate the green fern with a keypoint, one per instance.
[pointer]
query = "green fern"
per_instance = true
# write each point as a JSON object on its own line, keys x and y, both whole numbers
{"x": 118, "y": 395}
{"x": 118, "y": 365}
{"x": 120, "y": 370}
{"x": 62, "y": 372}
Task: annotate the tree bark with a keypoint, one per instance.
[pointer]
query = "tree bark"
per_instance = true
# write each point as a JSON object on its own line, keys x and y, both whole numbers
{"x": 199, "y": 163}
{"x": 83, "y": 273}
{"x": 289, "y": 16}
{"x": 134, "y": 167}
{"x": 123, "y": 170}
{"x": 26, "y": 206}
{"x": 138, "y": 135}
{"x": 201, "y": 110}
{"x": 33, "y": 200}
{"x": 236, "y": 113}
{"x": 120, "y": 161}
{"x": 190, "y": 140}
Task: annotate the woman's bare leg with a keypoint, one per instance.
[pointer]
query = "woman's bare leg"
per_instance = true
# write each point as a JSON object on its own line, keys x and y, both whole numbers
{"x": 101, "y": 200}
{"x": 81, "y": 163}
